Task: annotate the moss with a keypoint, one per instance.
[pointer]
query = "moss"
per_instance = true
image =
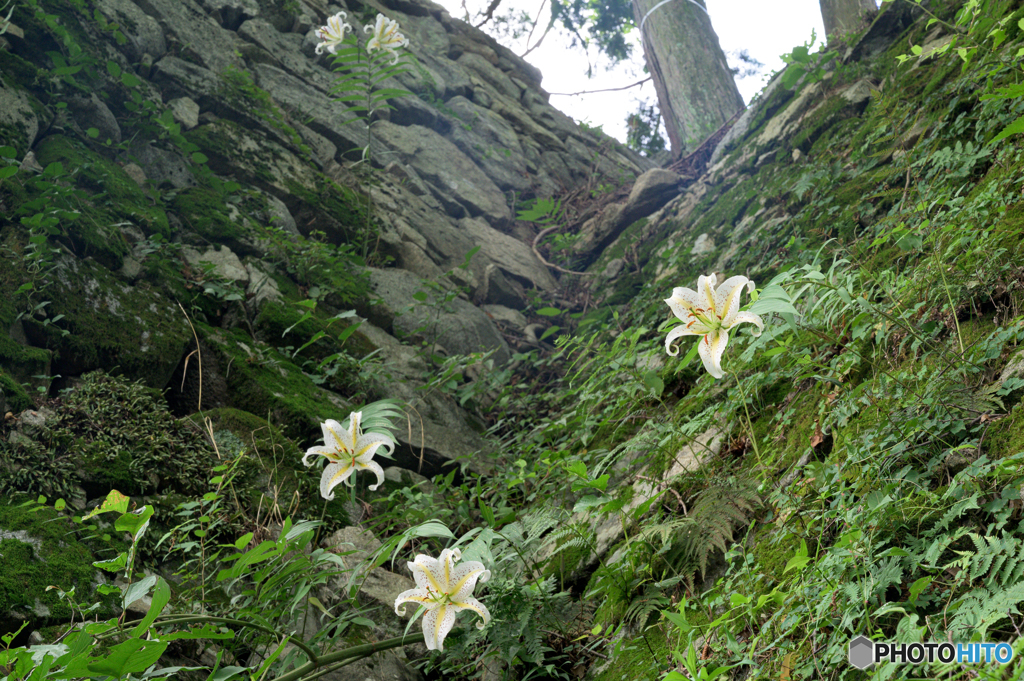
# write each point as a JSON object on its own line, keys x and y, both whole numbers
{"x": 114, "y": 194}
{"x": 51, "y": 559}
{"x": 642, "y": 659}
{"x": 17, "y": 70}
{"x": 16, "y": 396}
{"x": 204, "y": 211}
{"x": 133, "y": 328}
{"x": 266, "y": 383}
{"x": 254, "y": 432}
{"x": 22, "y": 362}
{"x": 108, "y": 433}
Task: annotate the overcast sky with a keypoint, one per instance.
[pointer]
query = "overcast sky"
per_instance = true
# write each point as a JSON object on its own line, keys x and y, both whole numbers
{"x": 764, "y": 28}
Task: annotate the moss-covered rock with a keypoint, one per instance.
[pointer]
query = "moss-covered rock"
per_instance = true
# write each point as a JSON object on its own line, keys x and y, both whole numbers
{"x": 134, "y": 330}
{"x": 39, "y": 550}
{"x": 114, "y": 195}
{"x": 263, "y": 381}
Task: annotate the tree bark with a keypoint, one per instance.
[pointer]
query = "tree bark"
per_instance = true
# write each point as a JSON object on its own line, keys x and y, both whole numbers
{"x": 696, "y": 90}
{"x": 845, "y": 16}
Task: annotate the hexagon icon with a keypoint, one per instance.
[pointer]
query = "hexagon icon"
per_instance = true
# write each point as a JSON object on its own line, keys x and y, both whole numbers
{"x": 862, "y": 652}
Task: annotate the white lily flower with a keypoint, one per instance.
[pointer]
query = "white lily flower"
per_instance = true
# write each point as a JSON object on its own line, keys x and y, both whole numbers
{"x": 332, "y": 34}
{"x": 347, "y": 451}
{"x": 385, "y": 37}
{"x": 445, "y": 590}
{"x": 711, "y": 313}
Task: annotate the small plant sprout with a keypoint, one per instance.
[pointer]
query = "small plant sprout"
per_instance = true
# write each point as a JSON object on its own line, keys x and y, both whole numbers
{"x": 444, "y": 590}
{"x": 347, "y": 451}
{"x": 710, "y": 312}
{"x": 332, "y": 34}
{"x": 385, "y": 37}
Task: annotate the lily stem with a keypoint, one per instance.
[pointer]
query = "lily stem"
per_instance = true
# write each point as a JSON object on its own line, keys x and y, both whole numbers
{"x": 750, "y": 424}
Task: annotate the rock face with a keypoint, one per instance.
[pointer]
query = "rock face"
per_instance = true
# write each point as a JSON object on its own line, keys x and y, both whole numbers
{"x": 241, "y": 186}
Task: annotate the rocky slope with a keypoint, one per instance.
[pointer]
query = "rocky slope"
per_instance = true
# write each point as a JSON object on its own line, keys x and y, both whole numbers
{"x": 190, "y": 216}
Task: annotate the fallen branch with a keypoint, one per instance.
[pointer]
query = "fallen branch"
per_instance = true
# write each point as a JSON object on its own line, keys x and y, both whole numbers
{"x": 611, "y": 89}
{"x": 536, "y": 240}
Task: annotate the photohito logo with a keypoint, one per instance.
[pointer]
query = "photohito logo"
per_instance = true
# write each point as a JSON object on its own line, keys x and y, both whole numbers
{"x": 864, "y": 652}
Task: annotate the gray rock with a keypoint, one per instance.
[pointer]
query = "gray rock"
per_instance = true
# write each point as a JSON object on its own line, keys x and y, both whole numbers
{"x": 406, "y": 478}
{"x": 198, "y": 35}
{"x": 651, "y": 191}
{"x": 500, "y": 313}
{"x": 179, "y": 78}
{"x": 162, "y": 166}
{"x": 279, "y": 215}
{"x": 441, "y": 430}
{"x": 262, "y": 287}
{"x": 613, "y": 268}
{"x": 185, "y": 111}
{"x": 143, "y": 32}
{"x": 34, "y": 422}
{"x": 232, "y": 12}
{"x": 457, "y": 326}
{"x": 491, "y": 142}
{"x": 457, "y": 182}
{"x": 705, "y": 243}
{"x": 286, "y": 49}
{"x": 314, "y": 107}
{"x": 18, "y": 120}
{"x": 225, "y": 263}
{"x": 742, "y": 125}
{"x": 512, "y": 256}
{"x": 489, "y": 75}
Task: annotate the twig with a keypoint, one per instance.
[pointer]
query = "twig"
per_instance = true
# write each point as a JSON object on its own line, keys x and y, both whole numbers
{"x": 611, "y": 89}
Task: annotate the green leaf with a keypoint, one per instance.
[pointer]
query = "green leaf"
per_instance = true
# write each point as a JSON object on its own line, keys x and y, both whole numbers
{"x": 115, "y": 501}
{"x": 137, "y": 590}
{"x": 551, "y": 330}
{"x": 243, "y": 541}
{"x": 1012, "y": 129}
{"x": 8, "y": 171}
{"x": 129, "y": 79}
{"x": 549, "y": 312}
{"x": 917, "y": 587}
{"x": 8, "y": 152}
{"x": 113, "y": 69}
{"x": 588, "y": 502}
{"x": 654, "y": 382}
{"x": 134, "y": 656}
{"x": 161, "y": 597}
{"x": 115, "y": 565}
{"x": 199, "y": 157}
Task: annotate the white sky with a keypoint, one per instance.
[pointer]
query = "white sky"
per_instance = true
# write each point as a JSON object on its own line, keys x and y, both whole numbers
{"x": 765, "y": 28}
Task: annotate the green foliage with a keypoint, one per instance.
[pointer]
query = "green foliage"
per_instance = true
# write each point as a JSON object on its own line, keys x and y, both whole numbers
{"x": 108, "y": 433}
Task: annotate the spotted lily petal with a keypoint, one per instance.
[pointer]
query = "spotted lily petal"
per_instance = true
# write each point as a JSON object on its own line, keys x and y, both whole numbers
{"x": 445, "y": 589}
{"x": 741, "y": 317}
{"x": 372, "y": 466}
{"x": 436, "y": 624}
{"x": 463, "y": 579}
{"x": 325, "y": 452}
{"x": 334, "y": 475}
{"x": 421, "y": 596}
{"x": 727, "y": 298}
{"x": 476, "y": 606}
{"x": 711, "y": 348}
{"x": 368, "y": 443}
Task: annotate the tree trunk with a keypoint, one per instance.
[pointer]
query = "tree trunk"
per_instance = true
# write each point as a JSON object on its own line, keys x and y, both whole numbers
{"x": 845, "y": 16}
{"x": 696, "y": 90}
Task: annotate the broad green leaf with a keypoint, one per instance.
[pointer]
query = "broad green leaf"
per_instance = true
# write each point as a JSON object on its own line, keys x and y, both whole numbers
{"x": 115, "y": 502}
{"x": 161, "y": 597}
{"x": 549, "y": 312}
